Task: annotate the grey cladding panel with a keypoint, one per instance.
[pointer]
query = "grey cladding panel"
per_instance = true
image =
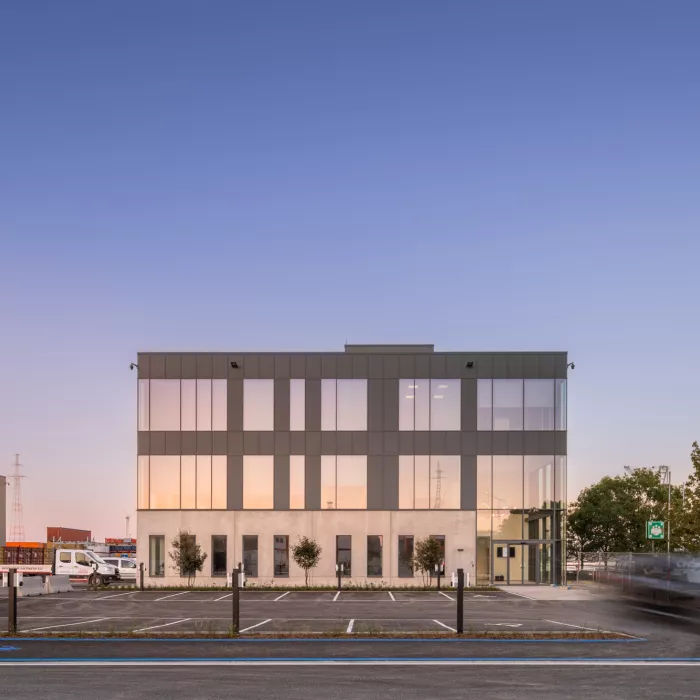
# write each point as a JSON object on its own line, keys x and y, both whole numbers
{"x": 313, "y": 482}
{"x": 391, "y": 367}
{"x": 313, "y": 443}
{"x": 438, "y": 366}
{"x": 344, "y": 367}
{"x": 454, "y": 366}
{"x": 157, "y": 367}
{"x": 204, "y": 443}
{"x": 235, "y": 482}
{"x": 376, "y": 366}
{"x": 546, "y": 366}
{"x": 144, "y": 366}
{"x": 484, "y": 442}
{"x": 281, "y": 487}
{"x": 469, "y": 443}
{"x": 406, "y": 442}
{"x": 173, "y": 367}
{"x": 267, "y": 442}
{"x": 189, "y": 366}
{"x": 375, "y": 482}
{"x": 234, "y": 372}
{"x": 144, "y": 443}
{"x": 219, "y": 442}
{"x": 422, "y": 367}
{"x": 468, "y": 482}
{"x": 313, "y": 366}
{"x": 328, "y": 443}
{"x": 407, "y": 366}
{"x": 438, "y": 443}
{"x": 157, "y": 446}
{"x": 391, "y": 404}
{"x": 560, "y": 442}
{"x": 266, "y": 367}
{"x": 453, "y": 442}
{"x": 360, "y": 367}
{"x": 313, "y": 404}
{"x": 531, "y": 442}
{"x": 421, "y": 442}
{"x": 376, "y": 443}
{"x": 560, "y": 366}
{"x": 173, "y": 442}
{"x": 251, "y": 365}
{"x": 484, "y": 366}
{"x": 281, "y": 404}
{"x": 235, "y": 443}
{"x": 531, "y": 366}
{"x": 297, "y": 367}
{"x": 220, "y": 367}
{"x": 500, "y": 366}
{"x": 297, "y": 442}
{"x": 343, "y": 444}
{"x": 515, "y": 366}
{"x": 546, "y": 442}
{"x": 391, "y": 443}
{"x": 469, "y": 405}
{"x": 516, "y": 442}
{"x": 499, "y": 443}
{"x": 235, "y": 404}
{"x": 328, "y": 367}
{"x": 204, "y": 366}
{"x": 251, "y": 442}
{"x": 391, "y": 482}
{"x": 188, "y": 439}
{"x": 282, "y": 443}
{"x": 375, "y": 404}
{"x": 282, "y": 366}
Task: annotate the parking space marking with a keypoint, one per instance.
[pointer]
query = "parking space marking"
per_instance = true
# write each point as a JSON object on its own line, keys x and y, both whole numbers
{"x": 350, "y": 624}
{"x": 70, "y": 624}
{"x": 391, "y": 595}
{"x": 223, "y": 597}
{"x": 447, "y": 596}
{"x": 520, "y": 595}
{"x": 282, "y": 596}
{"x": 442, "y": 624}
{"x": 115, "y": 595}
{"x": 165, "y": 597}
{"x": 258, "y": 625}
{"x": 335, "y": 597}
{"x": 567, "y": 624}
{"x": 167, "y": 624}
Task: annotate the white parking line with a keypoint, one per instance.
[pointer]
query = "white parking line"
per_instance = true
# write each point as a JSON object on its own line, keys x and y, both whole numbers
{"x": 567, "y": 624}
{"x": 282, "y": 596}
{"x": 167, "y": 624}
{"x": 165, "y": 597}
{"x": 391, "y": 595}
{"x": 349, "y": 629}
{"x": 70, "y": 624}
{"x": 447, "y": 627}
{"x": 258, "y": 625}
{"x": 115, "y": 595}
{"x": 520, "y": 595}
{"x": 336, "y": 596}
{"x": 447, "y": 596}
{"x": 223, "y": 597}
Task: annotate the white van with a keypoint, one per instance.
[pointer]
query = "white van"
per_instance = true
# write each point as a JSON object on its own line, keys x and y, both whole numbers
{"x": 127, "y": 567}
{"x": 83, "y": 562}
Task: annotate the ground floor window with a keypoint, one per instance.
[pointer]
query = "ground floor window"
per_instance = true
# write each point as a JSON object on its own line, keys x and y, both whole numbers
{"x": 218, "y": 555}
{"x": 405, "y": 556}
{"x": 156, "y": 555}
{"x": 441, "y": 542}
{"x": 374, "y": 555}
{"x": 343, "y": 553}
{"x": 250, "y": 555}
{"x": 281, "y": 556}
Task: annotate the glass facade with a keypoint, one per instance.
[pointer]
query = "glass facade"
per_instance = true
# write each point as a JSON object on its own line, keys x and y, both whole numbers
{"x": 430, "y": 404}
{"x": 343, "y": 482}
{"x": 297, "y": 482}
{"x": 344, "y": 404}
{"x": 281, "y": 555}
{"x": 250, "y": 555}
{"x": 258, "y": 482}
{"x": 374, "y": 555}
{"x": 343, "y": 554}
{"x": 258, "y": 404}
{"x": 429, "y": 482}
{"x": 405, "y": 554}
{"x": 156, "y": 555}
{"x": 297, "y": 404}
{"x": 218, "y": 555}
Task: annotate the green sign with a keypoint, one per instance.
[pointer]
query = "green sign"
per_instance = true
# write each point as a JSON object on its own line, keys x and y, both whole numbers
{"x": 655, "y": 529}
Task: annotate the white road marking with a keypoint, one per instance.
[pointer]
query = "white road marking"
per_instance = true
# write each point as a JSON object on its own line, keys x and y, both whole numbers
{"x": 567, "y": 624}
{"x": 502, "y": 624}
{"x": 452, "y": 629}
{"x": 447, "y": 596}
{"x": 258, "y": 625}
{"x": 70, "y": 624}
{"x": 349, "y": 629}
{"x": 115, "y": 595}
{"x": 223, "y": 597}
{"x": 165, "y": 597}
{"x": 391, "y": 595}
{"x": 282, "y": 596}
{"x": 336, "y": 596}
{"x": 520, "y": 595}
{"x": 167, "y": 624}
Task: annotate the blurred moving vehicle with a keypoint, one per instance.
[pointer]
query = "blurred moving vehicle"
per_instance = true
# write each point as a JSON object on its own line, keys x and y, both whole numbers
{"x": 127, "y": 567}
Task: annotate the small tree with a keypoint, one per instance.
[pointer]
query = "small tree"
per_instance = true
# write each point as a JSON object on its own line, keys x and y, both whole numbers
{"x": 306, "y": 554}
{"x": 427, "y": 554}
{"x": 187, "y": 555}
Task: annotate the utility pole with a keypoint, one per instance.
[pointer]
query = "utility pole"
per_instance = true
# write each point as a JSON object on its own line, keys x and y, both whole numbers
{"x": 17, "y": 530}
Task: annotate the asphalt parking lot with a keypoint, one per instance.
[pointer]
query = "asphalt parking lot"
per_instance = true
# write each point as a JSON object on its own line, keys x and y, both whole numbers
{"x": 302, "y": 612}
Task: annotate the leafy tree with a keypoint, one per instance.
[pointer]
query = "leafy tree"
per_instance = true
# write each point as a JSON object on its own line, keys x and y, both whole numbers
{"x": 427, "y": 554}
{"x": 685, "y": 508}
{"x": 306, "y": 554}
{"x": 187, "y": 555}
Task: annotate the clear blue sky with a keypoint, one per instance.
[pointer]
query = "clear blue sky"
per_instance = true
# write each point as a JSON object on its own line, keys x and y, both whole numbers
{"x": 292, "y": 175}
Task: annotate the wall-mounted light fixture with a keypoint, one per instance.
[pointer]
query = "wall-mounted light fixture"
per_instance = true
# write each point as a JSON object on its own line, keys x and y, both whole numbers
{"x": 470, "y": 365}
{"x": 234, "y": 365}
{"x": 572, "y": 365}
{"x": 132, "y": 365}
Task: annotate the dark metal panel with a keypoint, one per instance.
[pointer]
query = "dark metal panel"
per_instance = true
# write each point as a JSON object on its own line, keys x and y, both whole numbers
{"x": 204, "y": 443}
{"x": 328, "y": 443}
{"x": 235, "y": 482}
{"x": 359, "y": 442}
{"x": 251, "y": 442}
{"x": 188, "y": 366}
{"x": 376, "y": 443}
{"x": 157, "y": 366}
{"x": 313, "y": 366}
{"x": 454, "y": 366}
{"x": 531, "y": 366}
{"x": 328, "y": 367}
{"x": 468, "y": 404}
{"x": 235, "y": 372}
{"x": 375, "y": 482}
{"x": 173, "y": 367}
{"x": 391, "y": 443}
{"x": 281, "y": 366}
{"x": 560, "y": 368}
{"x": 407, "y": 366}
{"x": 469, "y": 443}
{"x": 453, "y": 442}
{"x": 281, "y": 404}
{"x": 360, "y": 367}
{"x": 421, "y": 442}
{"x": 516, "y": 442}
{"x": 547, "y": 365}
{"x": 312, "y": 485}
{"x": 251, "y": 367}
{"x": 282, "y": 443}
{"x": 515, "y": 366}
{"x": 438, "y": 366}
{"x": 546, "y": 442}
{"x": 376, "y": 366}
{"x": 234, "y": 408}
{"x": 531, "y": 442}
{"x": 422, "y": 367}
{"x": 375, "y": 404}
{"x": 144, "y": 366}
{"x": 173, "y": 442}
{"x": 499, "y": 443}
{"x": 391, "y": 366}
{"x": 188, "y": 442}
{"x": 281, "y": 484}
{"x": 266, "y": 367}
{"x": 157, "y": 446}
{"x": 297, "y": 368}
{"x": 560, "y": 441}
{"x": 391, "y": 404}
{"x": 313, "y": 443}
{"x": 484, "y": 366}
{"x": 219, "y": 445}
{"x": 297, "y": 442}
{"x": 144, "y": 443}
{"x": 267, "y": 442}
{"x": 500, "y": 366}
{"x": 220, "y": 367}
{"x": 484, "y": 443}
{"x": 344, "y": 366}
{"x": 204, "y": 366}
{"x": 468, "y": 482}
{"x": 406, "y": 442}
{"x": 313, "y": 404}
{"x": 343, "y": 442}
{"x": 391, "y": 482}
{"x": 235, "y": 443}
{"x": 437, "y": 442}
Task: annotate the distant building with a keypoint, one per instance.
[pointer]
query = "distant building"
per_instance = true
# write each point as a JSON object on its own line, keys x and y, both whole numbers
{"x": 67, "y": 534}
{"x": 3, "y": 513}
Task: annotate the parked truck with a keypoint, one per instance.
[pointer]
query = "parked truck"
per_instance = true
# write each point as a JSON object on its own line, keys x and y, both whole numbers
{"x": 76, "y": 563}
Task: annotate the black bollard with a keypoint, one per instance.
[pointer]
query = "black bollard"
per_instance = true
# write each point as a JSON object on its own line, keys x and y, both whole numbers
{"x": 11, "y": 603}
{"x": 460, "y": 601}
{"x": 235, "y": 602}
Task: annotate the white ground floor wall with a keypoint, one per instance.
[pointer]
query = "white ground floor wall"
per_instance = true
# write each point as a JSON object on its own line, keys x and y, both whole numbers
{"x": 458, "y": 528}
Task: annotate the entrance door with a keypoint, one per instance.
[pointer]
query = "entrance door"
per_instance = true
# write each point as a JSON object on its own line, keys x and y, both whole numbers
{"x": 509, "y": 563}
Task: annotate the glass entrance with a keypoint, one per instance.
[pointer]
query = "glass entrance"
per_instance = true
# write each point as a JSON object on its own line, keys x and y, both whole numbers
{"x": 517, "y": 563}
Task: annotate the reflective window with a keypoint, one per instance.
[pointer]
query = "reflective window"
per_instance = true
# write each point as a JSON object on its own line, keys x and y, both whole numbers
{"x": 405, "y": 556}
{"x": 297, "y": 404}
{"x": 421, "y": 466}
{"x": 188, "y": 482}
{"x": 539, "y": 404}
{"x": 143, "y": 497}
{"x": 445, "y": 493}
{"x": 165, "y": 483}
{"x": 484, "y": 401}
{"x": 374, "y": 555}
{"x": 507, "y": 525}
{"x": 441, "y": 541}
{"x": 507, "y": 482}
{"x": 258, "y": 404}
{"x": 483, "y": 481}
{"x": 406, "y": 486}
{"x": 258, "y": 482}
{"x": 281, "y": 556}
{"x": 343, "y": 553}
{"x": 143, "y": 404}
{"x": 219, "y": 481}
{"x": 203, "y": 482}
{"x": 445, "y": 401}
{"x": 538, "y": 481}
{"x": 188, "y": 396}
{"x": 352, "y": 404}
{"x": 165, "y": 404}
{"x": 421, "y": 388}
{"x": 483, "y": 524}
{"x": 407, "y": 404}
{"x": 560, "y": 480}
{"x": 204, "y": 404}
{"x": 156, "y": 555}
{"x": 507, "y": 404}
{"x": 218, "y": 555}
{"x": 328, "y": 404}
{"x": 328, "y": 501}
{"x": 250, "y": 555}
{"x": 297, "y": 482}
{"x": 219, "y": 401}
{"x": 560, "y": 404}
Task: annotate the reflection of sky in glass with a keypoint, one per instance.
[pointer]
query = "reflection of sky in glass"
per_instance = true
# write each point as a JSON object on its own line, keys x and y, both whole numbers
{"x": 204, "y": 404}
{"x": 538, "y": 475}
{"x": 483, "y": 481}
{"x": 351, "y": 478}
{"x": 297, "y": 404}
{"x": 507, "y": 404}
{"x": 484, "y": 401}
{"x": 258, "y": 404}
{"x": 188, "y": 479}
{"x": 297, "y": 481}
{"x": 406, "y": 482}
{"x": 445, "y": 401}
{"x": 258, "y": 476}
{"x": 165, "y": 482}
{"x": 203, "y": 482}
{"x": 352, "y": 404}
{"x": 328, "y": 404}
{"x": 444, "y": 482}
{"x": 165, "y": 404}
{"x": 219, "y": 401}
{"x": 328, "y": 483}
{"x": 422, "y": 481}
{"x": 407, "y": 404}
{"x": 219, "y": 491}
{"x": 507, "y": 482}
{"x": 539, "y": 404}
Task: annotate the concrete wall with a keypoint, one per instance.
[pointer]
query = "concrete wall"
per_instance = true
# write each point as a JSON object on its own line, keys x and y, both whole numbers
{"x": 4, "y": 491}
{"x": 459, "y": 529}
